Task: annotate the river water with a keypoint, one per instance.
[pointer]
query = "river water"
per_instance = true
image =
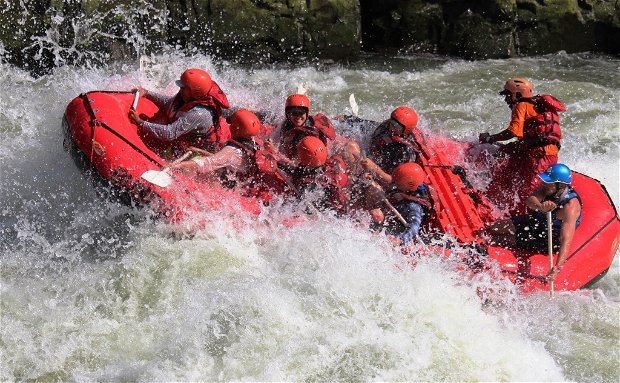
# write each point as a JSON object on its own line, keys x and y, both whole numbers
{"x": 92, "y": 290}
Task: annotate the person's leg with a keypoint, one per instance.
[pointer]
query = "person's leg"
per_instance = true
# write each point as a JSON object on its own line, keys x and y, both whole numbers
{"x": 526, "y": 232}
{"x": 532, "y": 233}
{"x": 531, "y": 169}
{"x": 507, "y": 181}
{"x": 501, "y": 233}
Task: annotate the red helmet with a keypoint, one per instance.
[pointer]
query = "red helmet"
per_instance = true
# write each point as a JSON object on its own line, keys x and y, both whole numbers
{"x": 197, "y": 80}
{"x": 408, "y": 176}
{"x": 312, "y": 152}
{"x": 518, "y": 88}
{"x": 407, "y": 117}
{"x": 244, "y": 124}
{"x": 298, "y": 100}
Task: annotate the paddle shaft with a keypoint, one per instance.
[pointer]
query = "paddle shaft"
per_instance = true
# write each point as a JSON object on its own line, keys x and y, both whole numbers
{"x": 200, "y": 151}
{"x": 395, "y": 212}
{"x": 295, "y": 190}
{"x": 163, "y": 178}
{"x": 180, "y": 159}
{"x": 386, "y": 202}
{"x": 550, "y": 248}
{"x": 287, "y": 180}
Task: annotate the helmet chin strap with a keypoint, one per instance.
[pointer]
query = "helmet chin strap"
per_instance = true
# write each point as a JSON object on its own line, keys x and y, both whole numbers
{"x": 508, "y": 98}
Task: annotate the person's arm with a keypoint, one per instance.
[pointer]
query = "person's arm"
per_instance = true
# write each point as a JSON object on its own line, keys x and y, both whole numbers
{"x": 366, "y": 125}
{"x": 158, "y": 99}
{"x": 350, "y": 119}
{"x": 228, "y": 157}
{"x": 187, "y": 122}
{"x": 414, "y": 219}
{"x": 514, "y": 129}
{"x": 279, "y": 156}
{"x": 536, "y": 201}
{"x": 504, "y": 135}
{"x": 376, "y": 172}
{"x": 568, "y": 215}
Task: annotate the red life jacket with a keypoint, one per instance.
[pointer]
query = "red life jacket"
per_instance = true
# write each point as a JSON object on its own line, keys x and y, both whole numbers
{"x": 323, "y": 124}
{"x": 263, "y": 168}
{"x": 544, "y": 128}
{"x": 219, "y": 133}
{"x": 215, "y": 99}
{"x": 397, "y": 197}
{"x": 261, "y": 161}
{"x": 319, "y": 126}
{"x": 333, "y": 178}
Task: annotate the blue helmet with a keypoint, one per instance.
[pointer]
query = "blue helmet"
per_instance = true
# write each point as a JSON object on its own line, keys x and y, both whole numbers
{"x": 557, "y": 173}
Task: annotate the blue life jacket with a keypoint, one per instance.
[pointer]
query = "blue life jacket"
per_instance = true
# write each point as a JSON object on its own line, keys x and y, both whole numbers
{"x": 402, "y": 201}
{"x": 562, "y": 200}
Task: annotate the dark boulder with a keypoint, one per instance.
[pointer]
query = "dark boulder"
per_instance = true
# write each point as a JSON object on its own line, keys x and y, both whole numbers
{"x": 40, "y": 34}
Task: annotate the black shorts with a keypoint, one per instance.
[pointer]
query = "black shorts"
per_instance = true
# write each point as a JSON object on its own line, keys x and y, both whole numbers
{"x": 531, "y": 233}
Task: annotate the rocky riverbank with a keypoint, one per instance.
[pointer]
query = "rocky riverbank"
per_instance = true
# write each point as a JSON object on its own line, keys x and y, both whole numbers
{"x": 38, "y": 34}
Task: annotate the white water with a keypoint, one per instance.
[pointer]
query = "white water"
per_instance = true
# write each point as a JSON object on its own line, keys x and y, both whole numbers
{"x": 92, "y": 290}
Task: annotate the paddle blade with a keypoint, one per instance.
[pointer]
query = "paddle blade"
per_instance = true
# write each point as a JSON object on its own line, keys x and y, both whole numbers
{"x": 136, "y": 97}
{"x": 301, "y": 88}
{"x": 354, "y": 107}
{"x": 161, "y": 179}
{"x": 141, "y": 62}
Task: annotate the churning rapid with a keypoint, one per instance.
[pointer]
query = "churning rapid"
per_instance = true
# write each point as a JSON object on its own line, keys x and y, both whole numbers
{"x": 92, "y": 290}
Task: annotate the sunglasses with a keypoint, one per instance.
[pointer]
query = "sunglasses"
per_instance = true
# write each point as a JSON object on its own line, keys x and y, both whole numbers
{"x": 296, "y": 111}
{"x": 507, "y": 96}
{"x": 398, "y": 126}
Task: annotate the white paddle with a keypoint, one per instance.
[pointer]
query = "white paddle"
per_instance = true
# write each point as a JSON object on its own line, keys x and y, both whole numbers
{"x": 162, "y": 178}
{"x": 301, "y": 88}
{"x": 550, "y": 248}
{"x": 136, "y": 97}
{"x": 158, "y": 178}
{"x": 354, "y": 107}
{"x": 141, "y": 61}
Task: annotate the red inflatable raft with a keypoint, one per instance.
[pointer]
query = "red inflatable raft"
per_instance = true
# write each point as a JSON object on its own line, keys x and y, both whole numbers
{"x": 459, "y": 213}
{"x": 101, "y": 139}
